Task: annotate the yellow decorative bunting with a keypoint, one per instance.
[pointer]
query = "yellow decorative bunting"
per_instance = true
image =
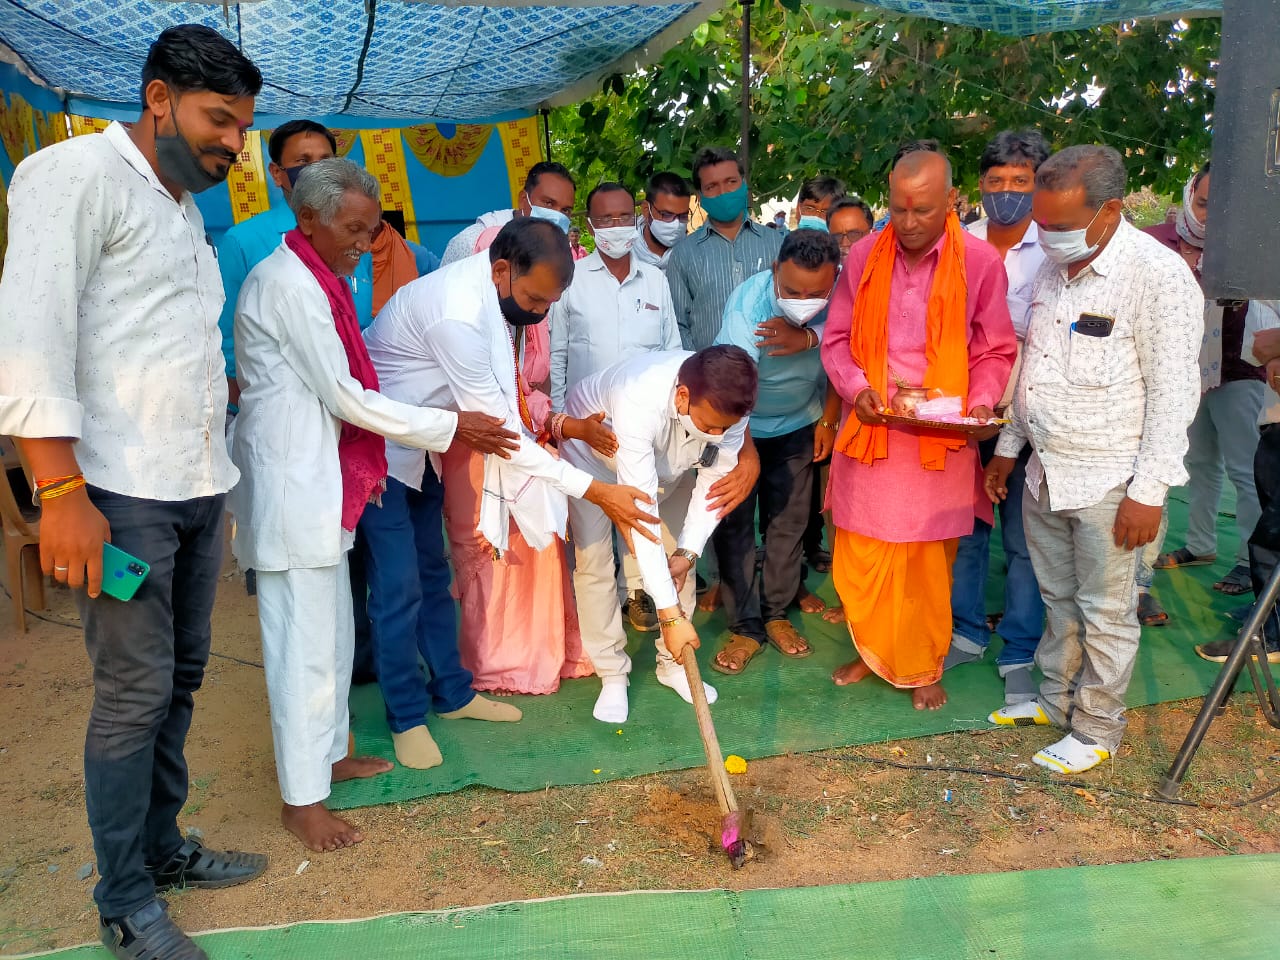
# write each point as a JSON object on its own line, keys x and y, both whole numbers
{"x": 384, "y": 158}
{"x": 50, "y": 128}
{"x": 81, "y": 125}
{"x": 448, "y": 156}
{"x": 17, "y": 129}
{"x": 523, "y": 148}
{"x": 4, "y": 222}
{"x": 247, "y": 181}
{"x": 346, "y": 140}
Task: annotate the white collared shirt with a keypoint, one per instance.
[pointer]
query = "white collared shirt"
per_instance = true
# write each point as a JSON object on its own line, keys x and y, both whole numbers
{"x": 297, "y": 391}
{"x": 442, "y": 341}
{"x": 653, "y": 451}
{"x": 599, "y": 321}
{"x": 1262, "y": 315}
{"x": 1022, "y": 262}
{"x": 463, "y": 243}
{"x": 109, "y": 321}
{"x": 1101, "y": 410}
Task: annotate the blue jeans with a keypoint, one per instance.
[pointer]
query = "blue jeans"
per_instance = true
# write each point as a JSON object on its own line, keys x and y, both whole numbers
{"x": 148, "y": 657}
{"x": 1023, "y": 620}
{"x": 411, "y": 611}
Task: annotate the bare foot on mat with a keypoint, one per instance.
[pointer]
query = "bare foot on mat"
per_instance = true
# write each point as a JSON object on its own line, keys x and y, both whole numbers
{"x": 931, "y": 697}
{"x": 809, "y": 602}
{"x": 358, "y": 768}
{"x": 850, "y": 673}
{"x": 318, "y": 829}
{"x": 834, "y": 614}
{"x": 709, "y": 602}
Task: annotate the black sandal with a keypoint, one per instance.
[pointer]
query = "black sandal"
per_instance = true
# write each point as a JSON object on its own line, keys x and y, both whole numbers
{"x": 1236, "y": 582}
{"x": 195, "y": 866}
{"x": 148, "y": 932}
{"x": 1150, "y": 613}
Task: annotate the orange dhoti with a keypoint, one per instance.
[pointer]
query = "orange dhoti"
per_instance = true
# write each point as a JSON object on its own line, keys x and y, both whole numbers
{"x": 897, "y": 601}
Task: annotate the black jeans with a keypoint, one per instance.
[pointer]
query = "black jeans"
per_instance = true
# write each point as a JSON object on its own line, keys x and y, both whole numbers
{"x": 783, "y": 492}
{"x": 1264, "y": 545}
{"x": 148, "y": 657}
{"x": 364, "y": 666}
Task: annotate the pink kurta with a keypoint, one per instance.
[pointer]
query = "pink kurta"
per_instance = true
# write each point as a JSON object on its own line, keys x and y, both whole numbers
{"x": 519, "y": 627}
{"x": 895, "y": 499}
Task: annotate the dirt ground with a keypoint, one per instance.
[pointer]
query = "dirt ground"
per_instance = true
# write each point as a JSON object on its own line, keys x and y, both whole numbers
{"x": 835, "y": 817}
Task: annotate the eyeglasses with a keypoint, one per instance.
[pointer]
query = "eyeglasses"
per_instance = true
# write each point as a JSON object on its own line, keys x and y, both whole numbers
{"x": 811, "y": 209}
{"x": 668, "y": 217}
{"x": 853, "y": 236}
{"x": 627, "y": 221}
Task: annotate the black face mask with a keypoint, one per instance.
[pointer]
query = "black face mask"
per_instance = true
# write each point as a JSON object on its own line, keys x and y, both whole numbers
{"x": 517, "y": 315}
{"x": 293, "y": 173}
{"x": 180, "y": 163}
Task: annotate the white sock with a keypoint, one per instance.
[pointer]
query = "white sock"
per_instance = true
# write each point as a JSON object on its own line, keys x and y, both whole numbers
{"x": 678, "y": 681}
{"x": 611, "y": 706}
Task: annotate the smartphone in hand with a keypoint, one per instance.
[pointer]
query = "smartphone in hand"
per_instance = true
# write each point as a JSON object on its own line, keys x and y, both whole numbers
{"x": 122, "y": 573}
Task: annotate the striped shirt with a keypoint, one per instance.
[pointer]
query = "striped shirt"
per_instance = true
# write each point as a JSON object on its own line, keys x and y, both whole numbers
{"x": 704, "y": 268}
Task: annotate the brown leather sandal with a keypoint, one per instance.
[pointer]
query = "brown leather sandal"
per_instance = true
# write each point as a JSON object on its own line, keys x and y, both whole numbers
{"x": 780, "y": 632}
{"x": 735, "y": 645}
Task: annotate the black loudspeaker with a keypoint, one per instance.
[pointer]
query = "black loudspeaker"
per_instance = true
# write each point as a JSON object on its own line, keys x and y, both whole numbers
{"x": 1242, "y": 252}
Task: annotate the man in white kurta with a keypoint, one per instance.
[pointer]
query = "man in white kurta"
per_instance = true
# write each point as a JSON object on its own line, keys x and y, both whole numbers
{"x": 617, "y": 307}
{"x": 297, "y": 390}
{"x": 664, "y": 451}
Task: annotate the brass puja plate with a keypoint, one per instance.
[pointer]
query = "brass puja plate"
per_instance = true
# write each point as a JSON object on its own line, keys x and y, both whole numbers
{"x": 942, "y": 424}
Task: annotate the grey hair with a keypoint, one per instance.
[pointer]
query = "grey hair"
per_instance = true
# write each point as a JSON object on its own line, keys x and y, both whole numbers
{"x": 1099, "y": 169}
{"x": 322, "y": 185}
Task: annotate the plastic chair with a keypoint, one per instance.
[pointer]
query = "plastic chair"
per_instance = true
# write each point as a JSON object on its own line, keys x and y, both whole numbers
{"x": 21, "y": 552}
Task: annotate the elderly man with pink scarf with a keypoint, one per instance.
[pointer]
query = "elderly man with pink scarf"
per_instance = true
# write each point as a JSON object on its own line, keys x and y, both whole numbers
{"x": 310, "y": 448}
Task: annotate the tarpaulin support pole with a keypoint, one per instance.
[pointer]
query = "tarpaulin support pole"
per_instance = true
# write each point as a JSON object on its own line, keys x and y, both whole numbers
{"x": 746, "y": 89}
{"x": 546, "y": 129}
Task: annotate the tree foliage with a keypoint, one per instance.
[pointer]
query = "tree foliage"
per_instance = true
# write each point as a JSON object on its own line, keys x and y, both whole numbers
{"x": 836, "y": 91}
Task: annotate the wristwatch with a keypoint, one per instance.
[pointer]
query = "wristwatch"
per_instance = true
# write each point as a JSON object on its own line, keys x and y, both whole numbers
{"x": 687, "y": 555}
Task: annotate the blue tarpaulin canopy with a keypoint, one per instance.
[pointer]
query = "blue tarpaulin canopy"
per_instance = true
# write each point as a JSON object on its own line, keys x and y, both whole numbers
{"x": 377, "y": 63}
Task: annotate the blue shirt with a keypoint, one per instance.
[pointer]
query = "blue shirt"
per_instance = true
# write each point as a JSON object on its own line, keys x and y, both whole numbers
{"x": 246, "y": 245}
{"x": 792, "y": 388}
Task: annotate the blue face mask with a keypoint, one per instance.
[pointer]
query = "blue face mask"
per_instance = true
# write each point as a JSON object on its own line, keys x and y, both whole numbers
{"x": 812, "y": 223}
{"x": 555, "y": 216}
{"x": 726, "y": 207}
{"x": 1007, "y": 207}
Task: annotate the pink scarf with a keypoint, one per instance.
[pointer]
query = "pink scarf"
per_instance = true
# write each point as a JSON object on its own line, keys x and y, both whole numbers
{"x": 362, "y": 453}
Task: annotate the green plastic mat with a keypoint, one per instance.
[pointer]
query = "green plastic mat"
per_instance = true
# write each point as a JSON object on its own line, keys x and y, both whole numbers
{"x": 776, "y": 706}
{"x": 1221, "y": 908}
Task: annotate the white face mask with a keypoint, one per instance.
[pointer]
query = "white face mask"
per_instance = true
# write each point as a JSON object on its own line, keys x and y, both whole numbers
{"x": 1065, "y": 247}
{"x": 614, "y": 242}
{"x": 668, "y": 234}
{"x": 692, "y": 430}
{"x": 797, "y": 312}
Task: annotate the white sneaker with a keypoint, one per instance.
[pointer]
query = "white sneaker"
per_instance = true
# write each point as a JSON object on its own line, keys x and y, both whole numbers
{"x": 1026, "y": 714}
{"x": 1070, "y": 755}
{"x": 612, "y": 706}
{"x": 678, "y": 681}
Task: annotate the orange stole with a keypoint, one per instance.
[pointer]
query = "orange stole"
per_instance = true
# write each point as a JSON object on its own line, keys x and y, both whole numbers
{"x": 946, "y": 343}
{"x": 897, "y": 601}
{"x": 394, "y": 265}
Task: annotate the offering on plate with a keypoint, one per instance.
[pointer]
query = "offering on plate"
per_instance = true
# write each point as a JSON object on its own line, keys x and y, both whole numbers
{"x": 908, "y": 399}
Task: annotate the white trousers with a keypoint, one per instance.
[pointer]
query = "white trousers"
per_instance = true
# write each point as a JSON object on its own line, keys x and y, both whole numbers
{"x": 308, "y": 640}
{"x": 595, "y": 586}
